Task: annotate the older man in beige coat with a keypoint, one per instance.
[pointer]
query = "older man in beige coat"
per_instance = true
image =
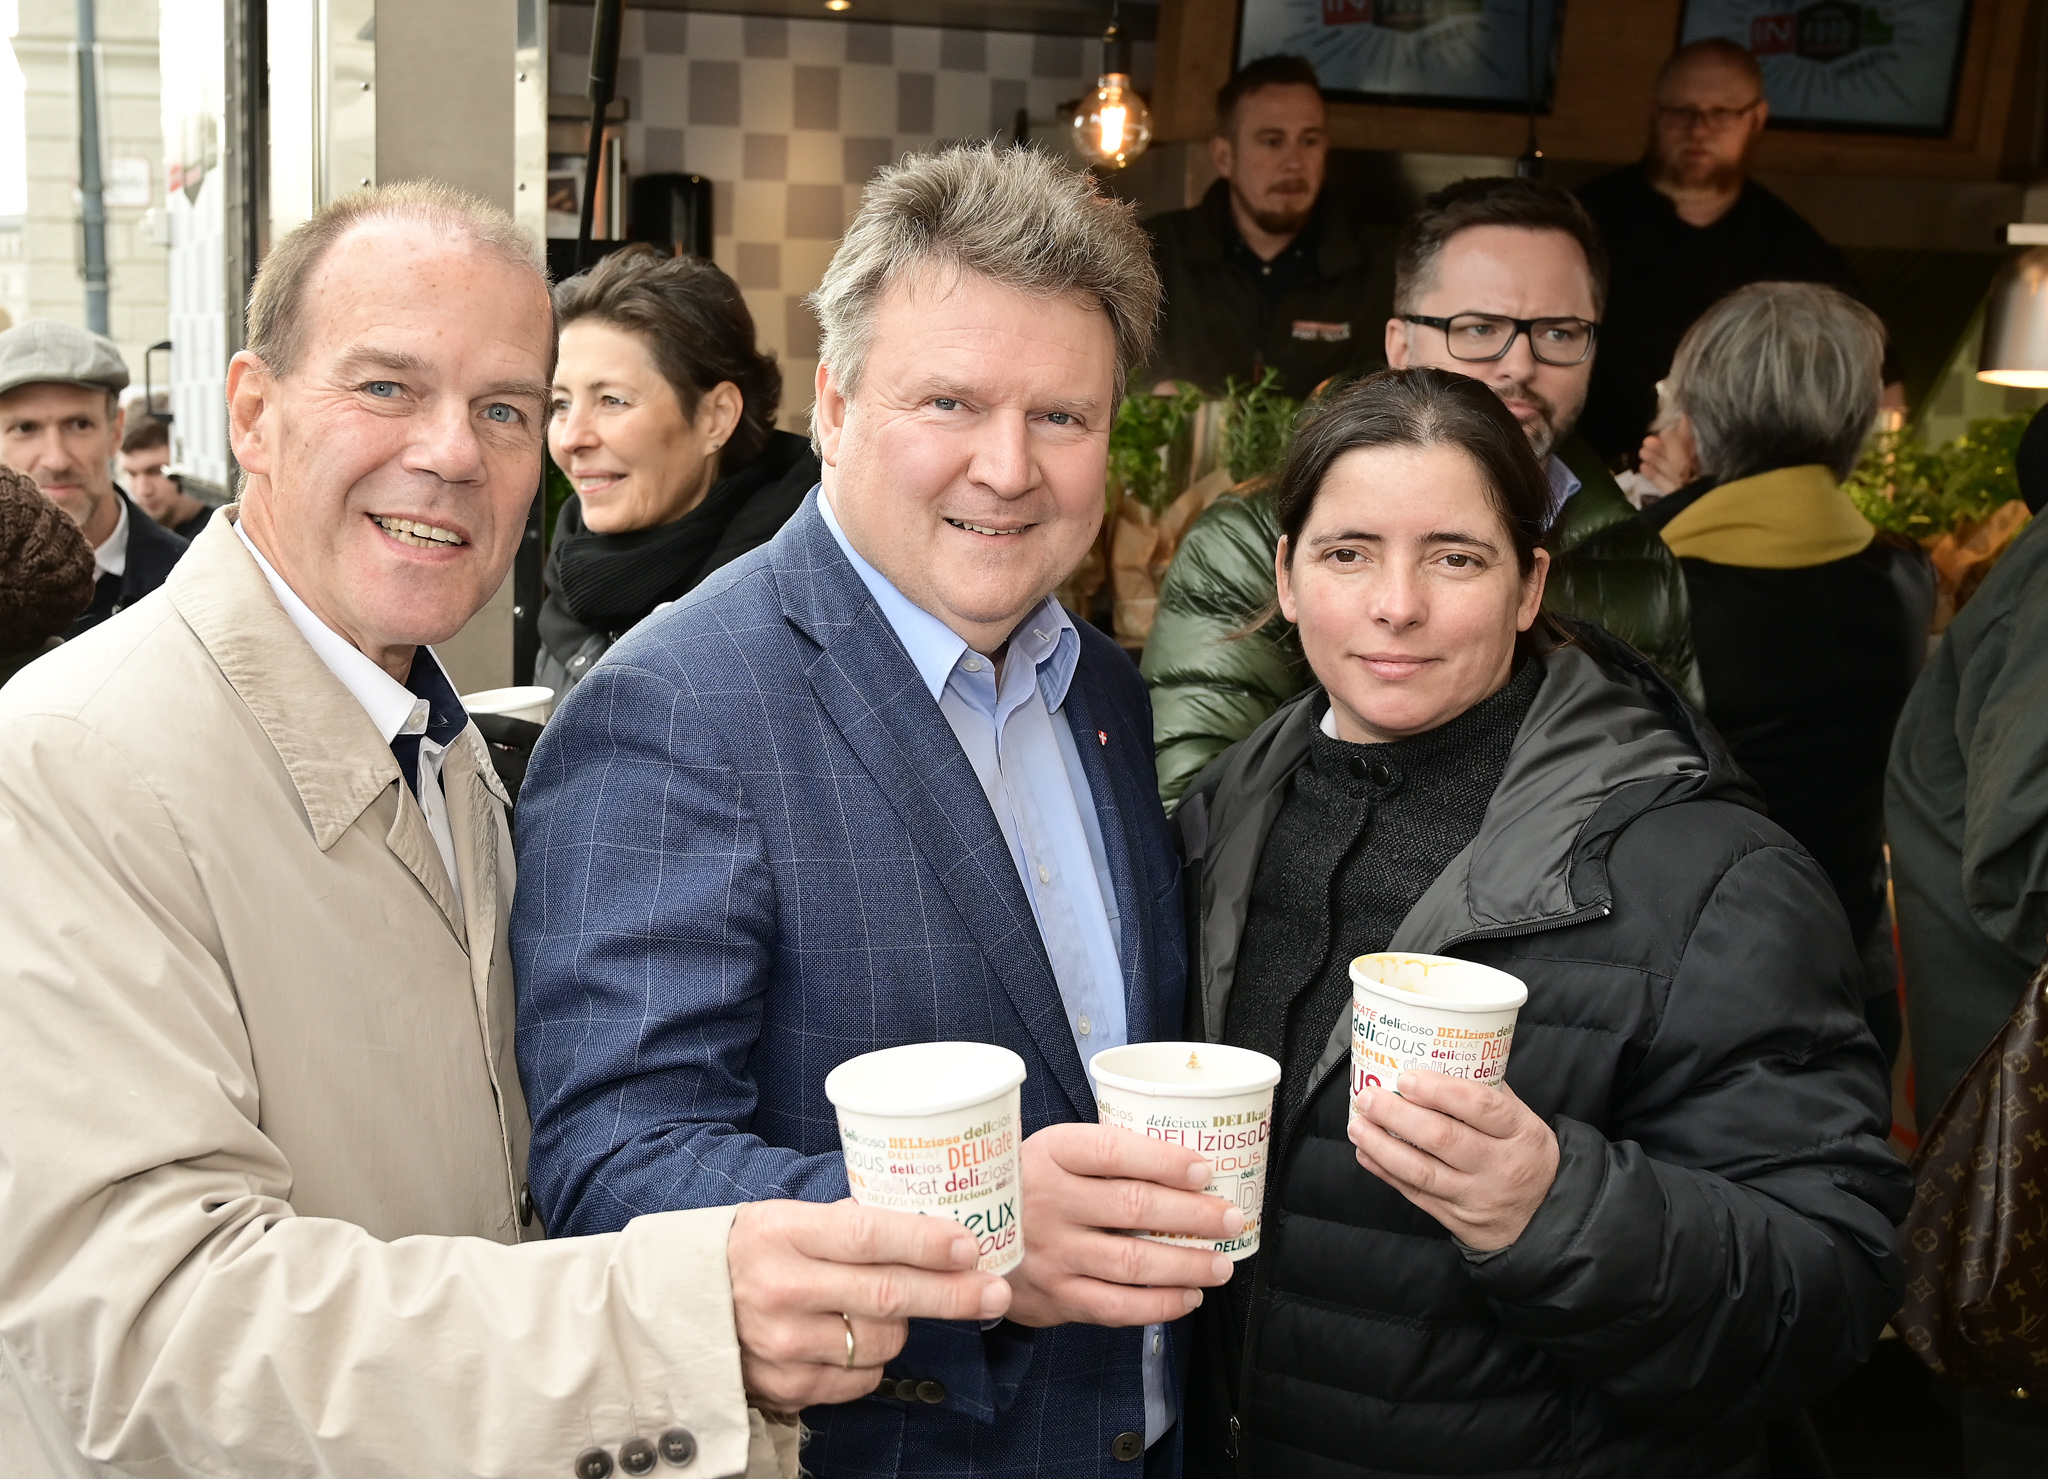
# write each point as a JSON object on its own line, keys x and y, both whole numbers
{"x": 262, "y": 1143}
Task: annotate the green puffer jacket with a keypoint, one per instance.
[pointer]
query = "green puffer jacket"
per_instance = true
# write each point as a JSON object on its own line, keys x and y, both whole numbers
{"x": 1209, "y": 692}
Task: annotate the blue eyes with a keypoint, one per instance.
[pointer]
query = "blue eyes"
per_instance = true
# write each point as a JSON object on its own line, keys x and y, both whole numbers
{"x": 382, "y": 389}
{"x": 1061, "y": 418}
{"x": 946, "y": 403}
{"x": 503, "y": 414}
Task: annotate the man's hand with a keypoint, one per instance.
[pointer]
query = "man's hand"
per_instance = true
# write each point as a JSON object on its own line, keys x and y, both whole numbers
{"x": 1082, "y": 1183}
{"x": 1473, "y": 1156}
{"x": 797, "y": 1267}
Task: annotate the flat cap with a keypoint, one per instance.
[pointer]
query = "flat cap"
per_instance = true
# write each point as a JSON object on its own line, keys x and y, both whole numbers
{"x": 44, "y": 352}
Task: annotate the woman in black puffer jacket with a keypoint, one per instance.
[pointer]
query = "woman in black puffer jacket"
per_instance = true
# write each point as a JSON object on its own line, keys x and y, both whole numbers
{"x": 1674, "y": 1224}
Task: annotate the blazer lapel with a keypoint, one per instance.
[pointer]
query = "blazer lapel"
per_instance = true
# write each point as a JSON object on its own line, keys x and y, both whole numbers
{"x": 1115, "y": 811}
{"x": 880, "y": 706}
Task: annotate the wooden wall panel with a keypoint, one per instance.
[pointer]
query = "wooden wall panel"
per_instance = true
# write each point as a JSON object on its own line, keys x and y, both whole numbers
{"x": 1607, "y": 67}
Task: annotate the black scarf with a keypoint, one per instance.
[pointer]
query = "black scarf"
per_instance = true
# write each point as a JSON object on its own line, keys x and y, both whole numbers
{"x": 607, "y": 582}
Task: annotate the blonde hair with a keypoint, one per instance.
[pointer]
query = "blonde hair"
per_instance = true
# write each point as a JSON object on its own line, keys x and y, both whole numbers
{"x": 1012, "y": 216}
{"x": 276, "y": 318}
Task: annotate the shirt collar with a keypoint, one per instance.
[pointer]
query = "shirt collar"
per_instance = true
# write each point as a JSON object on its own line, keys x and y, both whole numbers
{"x": 394, "y": 707}
{"x": 110, "y": 557}
{"x": 1563, "y": 484}
{"x": 1045, "y": 637}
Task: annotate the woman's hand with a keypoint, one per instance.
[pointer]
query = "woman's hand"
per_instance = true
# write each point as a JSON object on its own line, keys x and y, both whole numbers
{"x": 1473, "y": 1156}
{"x": 1670, "y": 458}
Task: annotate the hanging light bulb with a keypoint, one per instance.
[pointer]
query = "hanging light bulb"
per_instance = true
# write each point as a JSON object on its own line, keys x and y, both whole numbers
{"x": 1112, "y": 125}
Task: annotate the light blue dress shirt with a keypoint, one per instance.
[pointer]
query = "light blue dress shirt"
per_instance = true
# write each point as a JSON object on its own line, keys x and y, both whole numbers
{"x": 1023, "y": 751}
{"x": 1563, "y": 483}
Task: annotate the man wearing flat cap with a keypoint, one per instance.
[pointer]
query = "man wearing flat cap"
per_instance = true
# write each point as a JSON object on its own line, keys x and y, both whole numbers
{"x": 60, "y": 423}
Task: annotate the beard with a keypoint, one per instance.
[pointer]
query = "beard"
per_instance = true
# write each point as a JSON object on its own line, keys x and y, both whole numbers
{"x": 1692, "y": 171}
{"x": 1549, "y": 428}
{"x": 1280, "y": 216}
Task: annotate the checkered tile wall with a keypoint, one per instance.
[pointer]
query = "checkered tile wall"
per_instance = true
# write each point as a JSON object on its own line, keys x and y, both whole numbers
{"x": 789, "y": 118}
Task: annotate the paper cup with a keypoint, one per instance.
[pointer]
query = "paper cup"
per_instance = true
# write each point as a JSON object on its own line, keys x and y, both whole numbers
{"x": 532, "y": 703}
{"x": 935, "y": 1128}
{"x": 1429, "y": 1011}
{"x": 1215, "y": 1100}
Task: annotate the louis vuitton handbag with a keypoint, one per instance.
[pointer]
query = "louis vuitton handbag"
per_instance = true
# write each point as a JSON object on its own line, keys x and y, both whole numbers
{"x": 1976, "y": 1241}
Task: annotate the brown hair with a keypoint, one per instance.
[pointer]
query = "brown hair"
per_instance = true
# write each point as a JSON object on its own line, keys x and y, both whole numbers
{"x": 1527, "y": 205}
{"x": 46, "y": 569}
{"x": 148, "y": 431}
{"x": 1421, "y": 407}
{"x": 276, "y": 320}
{"x": 1267, "y": 71}
{"x": 696, "y": 328}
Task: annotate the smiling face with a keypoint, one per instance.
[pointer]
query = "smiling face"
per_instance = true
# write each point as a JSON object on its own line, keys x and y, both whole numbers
{"x": 1405, "y": 589}
{"x": 389, "y": 472}
{"x": 64, "y": 437}
{"x": 1275, "y": 156}
{"x": 1516, "y": 273}
{"x": 619, "y": 431}
{"x": 968, "y": 465}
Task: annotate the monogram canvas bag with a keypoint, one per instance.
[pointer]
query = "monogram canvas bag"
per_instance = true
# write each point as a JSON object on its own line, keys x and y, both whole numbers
{"x": 1976, "y": 1241}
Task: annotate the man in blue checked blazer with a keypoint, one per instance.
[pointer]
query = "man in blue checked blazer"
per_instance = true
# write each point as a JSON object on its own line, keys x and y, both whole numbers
{"x": 870, "y": 785}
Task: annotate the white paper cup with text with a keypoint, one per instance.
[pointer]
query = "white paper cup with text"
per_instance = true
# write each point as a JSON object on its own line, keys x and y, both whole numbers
{"x": 1210, "y": 1098}
{"x": 1429, "y": 1011}
{"x": 935, "y": 1128}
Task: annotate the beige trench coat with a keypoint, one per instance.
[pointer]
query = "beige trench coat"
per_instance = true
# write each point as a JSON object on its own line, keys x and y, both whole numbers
{"x": 261, "y": 1136}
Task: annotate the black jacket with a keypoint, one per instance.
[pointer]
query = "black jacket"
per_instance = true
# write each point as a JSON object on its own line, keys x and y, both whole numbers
{"x": 1219, "y": 322}
{"x": 1666, "y": 273}
{"x": 1718, "y": 1245}
{"x": 758, "y": 499}
{"x": 152, "y": 551}
{"x": 1806, "y": 660}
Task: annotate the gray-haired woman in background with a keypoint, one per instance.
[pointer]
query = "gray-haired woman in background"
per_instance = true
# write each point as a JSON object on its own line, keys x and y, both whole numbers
{"x": 1810, "y": 625}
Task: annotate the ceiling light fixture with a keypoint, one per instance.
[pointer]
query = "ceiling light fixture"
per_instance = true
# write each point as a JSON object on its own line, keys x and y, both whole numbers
{"x": 839, "y": 4}
{"x": 1112, "y": 126}
{"x": 2016, "y": 316}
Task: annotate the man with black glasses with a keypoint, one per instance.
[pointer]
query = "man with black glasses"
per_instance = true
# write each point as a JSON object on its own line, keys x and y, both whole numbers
{"x": 1504, "y": 280}
{"x": 1684, "y": 228}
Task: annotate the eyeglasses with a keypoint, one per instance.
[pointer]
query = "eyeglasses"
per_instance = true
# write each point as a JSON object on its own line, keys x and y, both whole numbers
{"x": 1713, "y": 120}
{"x": 1481, "y": 337}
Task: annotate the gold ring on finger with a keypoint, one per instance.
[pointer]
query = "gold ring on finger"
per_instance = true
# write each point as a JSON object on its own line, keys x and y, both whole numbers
{"x": 849, "y": 1338}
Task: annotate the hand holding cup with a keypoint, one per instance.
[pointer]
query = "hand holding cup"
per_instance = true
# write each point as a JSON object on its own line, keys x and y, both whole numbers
{"x": 806, "y": 1277}
{"x": 1470, "y": 1154}
{"x": 1086, "y": 1188}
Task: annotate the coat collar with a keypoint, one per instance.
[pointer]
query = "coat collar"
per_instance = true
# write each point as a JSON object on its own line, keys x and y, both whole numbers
{"x": 882, "y": 709}
{"x": 337, "y": 760}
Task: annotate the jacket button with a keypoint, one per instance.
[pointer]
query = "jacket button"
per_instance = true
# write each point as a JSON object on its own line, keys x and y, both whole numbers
{"x": 593, "y": 1463}
{"x": 636, "y": 1457}
{"x": 678, "y": 1446}
{"x": 526, "y": 1206}
{"x": 930, "y": 1391}
{"x": 906, "y": 1389}
{"x": 1127, "y": 1446}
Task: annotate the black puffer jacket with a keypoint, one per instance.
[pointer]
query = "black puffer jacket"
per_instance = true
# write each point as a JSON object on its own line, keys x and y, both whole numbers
{"x": 1717, "y": 1248}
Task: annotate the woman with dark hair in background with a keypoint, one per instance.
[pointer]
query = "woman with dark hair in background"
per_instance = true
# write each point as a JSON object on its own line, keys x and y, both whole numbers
{"x": 664, "y": 422}
{"x": 1673, "y": 1223}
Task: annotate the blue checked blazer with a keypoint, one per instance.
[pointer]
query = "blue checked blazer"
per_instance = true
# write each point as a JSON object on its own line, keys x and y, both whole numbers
{"x": 751, "y": 848}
